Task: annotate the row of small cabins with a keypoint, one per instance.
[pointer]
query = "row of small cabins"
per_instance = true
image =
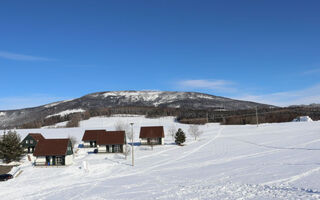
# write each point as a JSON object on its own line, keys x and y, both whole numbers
{"x": 57, "y": 152}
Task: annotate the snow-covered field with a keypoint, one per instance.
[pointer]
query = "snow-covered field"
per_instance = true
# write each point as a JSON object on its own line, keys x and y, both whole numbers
{"x": 272, "y": 161}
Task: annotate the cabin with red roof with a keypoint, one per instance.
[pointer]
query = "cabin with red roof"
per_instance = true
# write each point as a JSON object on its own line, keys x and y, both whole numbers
{"x": 53, "y": 152}
{"x": 152, "y": 135}
{"x": 30, "y": 141}
{"x": 90, "y": 137}
{"x": 111, "y": 142}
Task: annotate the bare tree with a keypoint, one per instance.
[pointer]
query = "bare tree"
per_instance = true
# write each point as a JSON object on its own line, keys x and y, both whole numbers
{"x": 172, "y": 131}
{"x": 74, "y": 121}
{"x": 126, "y": 151}
{"x": 73, "y": 140}
{"x": 194, "y": 131}
{"x": 121, "y": 126}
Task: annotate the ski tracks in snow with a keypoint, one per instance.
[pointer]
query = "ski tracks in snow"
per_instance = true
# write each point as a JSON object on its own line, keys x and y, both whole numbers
{"x": 169, "y": 161}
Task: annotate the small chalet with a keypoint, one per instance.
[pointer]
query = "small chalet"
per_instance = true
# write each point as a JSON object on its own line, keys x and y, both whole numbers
{"x": 90, "y": 137}
{"x": 152, "y": 135}
{"x": 30, "y": 141}
{"x": 53, "y": 152}
{"x": 111, "y": 142}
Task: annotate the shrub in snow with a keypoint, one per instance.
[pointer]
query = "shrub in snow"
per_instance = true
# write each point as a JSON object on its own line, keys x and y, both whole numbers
{"x": 10, "y": 149}
{"x": 180, "y": 137}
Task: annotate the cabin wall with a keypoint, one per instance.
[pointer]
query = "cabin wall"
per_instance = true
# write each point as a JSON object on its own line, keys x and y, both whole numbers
{"x": 144, "y": 141}
{"x": 40, "y": 160}
{"x": 86, "y": 144}
{"x": 103, "y": 149}
{"x": 68, "y": 160}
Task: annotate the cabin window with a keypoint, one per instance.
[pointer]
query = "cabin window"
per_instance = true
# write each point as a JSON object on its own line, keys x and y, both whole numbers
{"x": 116, "y": 148}
{"x": 31, "y": 141}
{"x": 27, "y": 141}
{"x": 69, "y": 148}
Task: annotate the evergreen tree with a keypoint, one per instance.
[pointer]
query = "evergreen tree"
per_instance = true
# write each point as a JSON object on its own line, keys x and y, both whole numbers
{"x": 10, "y": 148}
{"x": 180, "y": 137}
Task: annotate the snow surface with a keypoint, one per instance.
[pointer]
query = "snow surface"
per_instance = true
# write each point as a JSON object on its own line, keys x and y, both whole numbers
{"x": 272, "y": 161}
{"x": 2, "y": 114}
{"x": 66, "y": 112}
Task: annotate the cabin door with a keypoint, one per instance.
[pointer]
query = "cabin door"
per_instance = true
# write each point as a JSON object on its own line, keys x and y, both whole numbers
{"x": 48, "y": 160}
{"x": 54, "y": 160}
{"x": 107, "y": 148}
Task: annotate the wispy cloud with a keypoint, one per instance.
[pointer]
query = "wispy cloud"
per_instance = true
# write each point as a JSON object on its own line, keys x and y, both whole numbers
{"x": 9, "y": 103}
{"x": 230, "y": 89}
{"x": 304, "y": 96}
{"x": 214, "y": 85}
{"x": 312, "y": 71}
{"x": 22, "y": 57}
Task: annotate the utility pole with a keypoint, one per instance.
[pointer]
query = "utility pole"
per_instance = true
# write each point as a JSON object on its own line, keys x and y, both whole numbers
{"x": 207, "y": 117}
{"x": 257, "y": 119}
{"x": 131, "y": 124}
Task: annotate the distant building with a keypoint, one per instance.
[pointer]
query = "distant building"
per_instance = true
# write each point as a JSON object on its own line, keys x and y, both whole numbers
{"x": 90, "y": 137}
{"x": 152, "y": 135}
{"x": 111, "y": 142}
{"x": 302, "y": 119}
{"x": 53, "y": 152}
{"x": 30, "y": 141}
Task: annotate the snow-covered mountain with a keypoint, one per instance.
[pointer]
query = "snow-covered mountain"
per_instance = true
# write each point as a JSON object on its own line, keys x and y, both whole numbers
{"x": 189, "y": 100}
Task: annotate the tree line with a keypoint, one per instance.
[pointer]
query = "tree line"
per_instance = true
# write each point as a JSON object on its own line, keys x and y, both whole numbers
{"x": 186, "y": 116}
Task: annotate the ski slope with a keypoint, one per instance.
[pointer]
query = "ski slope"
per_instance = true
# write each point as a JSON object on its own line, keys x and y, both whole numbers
{"x": 272, "y": 161}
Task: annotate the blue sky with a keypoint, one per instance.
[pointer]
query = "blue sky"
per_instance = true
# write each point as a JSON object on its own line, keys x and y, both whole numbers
{"x": 265, "y": 51}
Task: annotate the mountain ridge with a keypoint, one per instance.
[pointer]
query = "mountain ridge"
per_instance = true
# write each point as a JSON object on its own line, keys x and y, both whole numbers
{"x": 127, "y": 98}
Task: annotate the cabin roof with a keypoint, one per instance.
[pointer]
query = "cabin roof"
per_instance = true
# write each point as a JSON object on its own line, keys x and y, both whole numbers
{"x": 111, "y": 137}
{"x": 37, "y": 136}
{"x": 152, "y": 132}
{"x": 92, "y": 135}
{"x": 51, "y": 147}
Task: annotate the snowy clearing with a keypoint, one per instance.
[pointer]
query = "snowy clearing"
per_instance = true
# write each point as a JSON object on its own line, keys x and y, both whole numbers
{"x": 272, "y": 161}
{"x": 66, "y": 112}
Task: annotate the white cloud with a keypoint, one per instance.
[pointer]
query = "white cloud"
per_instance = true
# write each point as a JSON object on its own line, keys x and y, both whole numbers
{"x": 305, "y": 96}
{"x": 10, "y": 103}
{"x": 214, "y": 85}
{"x": 14, "y": 56}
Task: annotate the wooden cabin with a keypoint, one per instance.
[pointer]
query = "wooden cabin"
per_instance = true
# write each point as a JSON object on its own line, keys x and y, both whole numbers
{"x": 30, "y": 141}
{"x": 53, "y": 152}
{"x": 111, "y": 142}
{"x": 152, "y": 135}
{"x": 89, "y": 138}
